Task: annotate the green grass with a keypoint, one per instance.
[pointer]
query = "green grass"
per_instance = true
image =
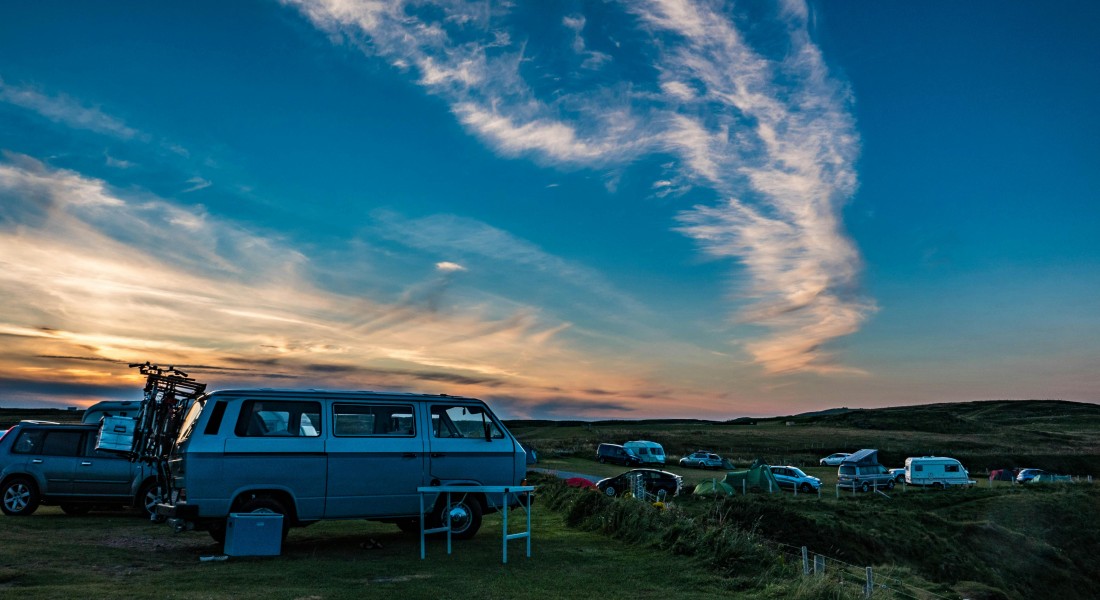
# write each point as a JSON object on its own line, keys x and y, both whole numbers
{"x": 105, "y": 555}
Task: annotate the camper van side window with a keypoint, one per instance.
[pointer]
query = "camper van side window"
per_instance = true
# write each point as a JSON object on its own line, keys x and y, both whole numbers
{"x": 279, "y": 418}
{"x": 358, "y": 420}
{"x": 463, "y": 422}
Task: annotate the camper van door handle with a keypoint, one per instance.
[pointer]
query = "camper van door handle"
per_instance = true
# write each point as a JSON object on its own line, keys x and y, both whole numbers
{"x": 37, "y": 461}
{"x": 409, "y": 455}
{"x": 86, "y": 463}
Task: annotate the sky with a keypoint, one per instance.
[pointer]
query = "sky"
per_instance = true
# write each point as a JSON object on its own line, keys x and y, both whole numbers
{"x": 650, "y": 208}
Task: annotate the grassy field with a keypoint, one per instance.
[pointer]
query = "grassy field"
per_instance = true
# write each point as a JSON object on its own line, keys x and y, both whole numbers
{"x": 113, "y": 555}
{"x": 987, "y": 542}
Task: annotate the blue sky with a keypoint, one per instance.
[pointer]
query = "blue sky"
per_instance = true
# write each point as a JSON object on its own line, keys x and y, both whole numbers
{"x": 569, "y": 209}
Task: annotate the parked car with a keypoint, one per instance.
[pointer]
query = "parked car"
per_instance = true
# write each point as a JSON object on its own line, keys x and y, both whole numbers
{"x": 52, "y": 464}
{"x": 792, "y": 478}
{"x": 702, "y": 460}
{"x": 616, "y": 454}
{"x": 1026, "y": 475}
{"x": 652, "y": 479}
{"x": 834, "y": 459}
{"x": 898, "y": 474}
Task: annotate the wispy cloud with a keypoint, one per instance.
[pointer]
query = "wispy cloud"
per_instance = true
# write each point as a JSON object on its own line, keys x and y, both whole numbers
{"x": 178, "y": 285}
{"x": 67, "y": 111}
{"x": 460, "y": 236}
{"x": 768, "y": 133}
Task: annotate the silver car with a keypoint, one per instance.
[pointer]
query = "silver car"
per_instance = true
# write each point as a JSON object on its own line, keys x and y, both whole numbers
{"x": 792, "y": 478}
{"x": 834, "y": 459}
{"x": 47, "y": 463}
{"x": 702, "y": 460}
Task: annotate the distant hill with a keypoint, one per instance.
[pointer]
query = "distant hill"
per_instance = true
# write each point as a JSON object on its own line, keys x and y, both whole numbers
{"x": 964, "y": 417}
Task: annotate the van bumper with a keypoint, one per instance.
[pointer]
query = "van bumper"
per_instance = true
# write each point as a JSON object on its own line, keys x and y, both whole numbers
{"x": 182, "y": 511}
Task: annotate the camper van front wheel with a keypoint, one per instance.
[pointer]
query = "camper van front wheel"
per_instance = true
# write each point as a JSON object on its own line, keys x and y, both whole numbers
{"x": 465, "y": 514}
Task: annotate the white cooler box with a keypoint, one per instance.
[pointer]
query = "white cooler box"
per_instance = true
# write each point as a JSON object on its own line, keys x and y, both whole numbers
{"x": 116, "y": 434}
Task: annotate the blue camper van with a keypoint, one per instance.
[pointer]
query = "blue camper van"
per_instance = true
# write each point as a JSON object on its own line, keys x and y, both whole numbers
{"x": 317, "y": 455}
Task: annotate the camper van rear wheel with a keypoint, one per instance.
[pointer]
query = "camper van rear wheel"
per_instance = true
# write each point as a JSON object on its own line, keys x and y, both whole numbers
{"x": 19, "y": 497}
{"x": 268, "y": 505}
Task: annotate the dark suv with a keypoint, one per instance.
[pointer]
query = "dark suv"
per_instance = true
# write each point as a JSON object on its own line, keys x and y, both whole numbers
{"x": 616, "y": 454}
{"x": 47, "y": 463}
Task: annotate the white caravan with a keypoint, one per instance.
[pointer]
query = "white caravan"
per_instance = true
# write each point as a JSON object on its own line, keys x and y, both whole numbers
{"x": 649, "y": 452}
{"x": 936, "y": 471}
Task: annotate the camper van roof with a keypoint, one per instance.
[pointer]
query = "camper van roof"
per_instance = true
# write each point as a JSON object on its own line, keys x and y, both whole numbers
{"x": 867, "y": 456}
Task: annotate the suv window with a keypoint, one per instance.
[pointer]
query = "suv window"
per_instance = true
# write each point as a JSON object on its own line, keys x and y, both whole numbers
{"x": 49, "y": 443}
{"x": 373, "y": 419}
{"x": 279, "y": 418}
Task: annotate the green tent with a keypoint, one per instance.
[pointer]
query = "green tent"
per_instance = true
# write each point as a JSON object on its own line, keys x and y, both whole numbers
{"x": 757, "y": 478}
{"x": 713, "y": 487}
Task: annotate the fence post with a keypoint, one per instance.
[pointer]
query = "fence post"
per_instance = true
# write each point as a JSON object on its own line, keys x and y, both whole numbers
{"x": 819, "y": 565}
{"x": 870, "y": 587}
{"x": 838, "y": 491}
{"x": 805, "y": 561}
{"x": 744, "y": 488}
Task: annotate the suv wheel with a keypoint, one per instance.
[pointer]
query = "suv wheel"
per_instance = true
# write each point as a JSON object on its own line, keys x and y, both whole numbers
{"x": 804, "y": 488}
{"x": 150, "y": 495}
{"x": 890, "y": 484}
{"x": 19, "y": 497}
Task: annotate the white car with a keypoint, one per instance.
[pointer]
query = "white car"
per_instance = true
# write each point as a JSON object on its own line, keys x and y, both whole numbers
{"x": 834, "y": 459}
{"x": 898, "y": 475}
{"x": 792, "y": 478}
{"x": 702, "y": 460}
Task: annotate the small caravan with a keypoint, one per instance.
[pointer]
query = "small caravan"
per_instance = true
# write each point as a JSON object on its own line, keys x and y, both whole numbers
{"x": 936, "y": 471}
{"x": 649, "y": 452}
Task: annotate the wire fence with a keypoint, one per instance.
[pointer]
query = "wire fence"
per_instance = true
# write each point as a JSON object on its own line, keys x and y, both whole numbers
{"x": 846, "y": 575}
